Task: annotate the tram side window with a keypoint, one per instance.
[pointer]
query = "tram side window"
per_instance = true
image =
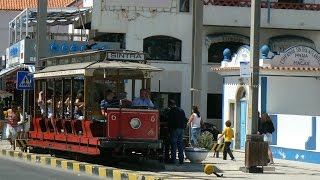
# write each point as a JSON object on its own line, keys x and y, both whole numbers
{"x": 78, "y": 86}
{"x": 67, "y": 98}
{"x": 58, "y": 98}
{"x": 40, "y": 108}
{"x": 96, "y": 94}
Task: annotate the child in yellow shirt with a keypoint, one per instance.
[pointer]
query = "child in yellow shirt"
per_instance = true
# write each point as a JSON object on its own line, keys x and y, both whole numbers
{"x": 228, "y": 135}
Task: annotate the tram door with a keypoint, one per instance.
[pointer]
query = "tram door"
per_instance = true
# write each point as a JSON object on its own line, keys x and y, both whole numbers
{"x": 243, "y": 118}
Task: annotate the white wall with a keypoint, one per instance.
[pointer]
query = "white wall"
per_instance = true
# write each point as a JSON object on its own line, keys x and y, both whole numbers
{"x": 318, "y": 133}
{"x": 280, "y": 18}
{"x": 294, "y": 130}
{"x": 6, "y": 17}
{"x": 293, "y": 95}
{"x": 142, "y": 24}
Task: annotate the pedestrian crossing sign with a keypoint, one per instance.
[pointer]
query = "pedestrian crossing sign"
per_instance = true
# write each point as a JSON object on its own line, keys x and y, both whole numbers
{"x": 24, "y": 80}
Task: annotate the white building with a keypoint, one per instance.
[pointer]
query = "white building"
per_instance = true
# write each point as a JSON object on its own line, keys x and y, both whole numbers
{"x": 164, "y": 29}
{"x": 288, "y": 91}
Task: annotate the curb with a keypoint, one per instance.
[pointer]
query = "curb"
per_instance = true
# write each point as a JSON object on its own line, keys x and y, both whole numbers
{"x": 76, "y": 166}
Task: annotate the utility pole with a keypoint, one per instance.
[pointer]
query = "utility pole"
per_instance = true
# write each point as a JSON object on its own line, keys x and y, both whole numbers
{"x": 196, "y": 67}
{"x": 41, "y": 31}
{"x": 256, "y": 149}
{"x": 254, "y": 66}
{"x": 41, "y": 39}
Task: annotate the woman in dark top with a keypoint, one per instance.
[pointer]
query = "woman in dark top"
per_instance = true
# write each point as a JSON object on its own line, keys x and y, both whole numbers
{"x": 266, "y": 129}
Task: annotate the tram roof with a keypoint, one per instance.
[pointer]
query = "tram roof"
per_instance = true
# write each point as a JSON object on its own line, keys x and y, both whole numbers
{"x": 87, "y": 68}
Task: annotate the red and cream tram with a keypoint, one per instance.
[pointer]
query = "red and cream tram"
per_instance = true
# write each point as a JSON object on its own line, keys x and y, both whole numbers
{"x": 80, "y": 82}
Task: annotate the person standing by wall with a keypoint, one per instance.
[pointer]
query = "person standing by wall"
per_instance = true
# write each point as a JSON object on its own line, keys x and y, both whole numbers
{"x": 177, "y": 122}
{"x": 266, "y": 130}
{"x": 195, "y": 122}
{"x": 228, "y": 134}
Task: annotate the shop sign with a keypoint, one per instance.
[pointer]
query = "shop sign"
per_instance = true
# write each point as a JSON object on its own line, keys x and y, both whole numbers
{"x": 300, "y": 56}
{"x": 126, "y": 56}
{"x": 13, "y": 54}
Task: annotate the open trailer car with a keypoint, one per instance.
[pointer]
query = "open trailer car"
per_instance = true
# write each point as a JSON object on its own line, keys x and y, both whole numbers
{"x": 79, "y": 82}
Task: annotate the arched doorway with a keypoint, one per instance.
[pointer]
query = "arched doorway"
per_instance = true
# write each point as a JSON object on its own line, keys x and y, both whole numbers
{"x": 242, "y": 116}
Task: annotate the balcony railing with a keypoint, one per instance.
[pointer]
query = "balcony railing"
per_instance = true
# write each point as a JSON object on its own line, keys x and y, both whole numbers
{"x": 264, "y": 4}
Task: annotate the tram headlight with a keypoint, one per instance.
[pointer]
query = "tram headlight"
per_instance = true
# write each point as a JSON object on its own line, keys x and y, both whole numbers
{"x": 135, "y": 123}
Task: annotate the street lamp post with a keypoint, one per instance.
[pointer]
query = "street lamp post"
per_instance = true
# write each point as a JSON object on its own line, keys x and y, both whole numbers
{"x": 255, "y": 149}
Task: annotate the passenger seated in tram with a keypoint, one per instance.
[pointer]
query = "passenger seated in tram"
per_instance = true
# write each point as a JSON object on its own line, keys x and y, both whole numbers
{"x": 78, "y": 108}
{"x": 105, "y": 103}
{"x": 123, "y": 101}
{"x": 67, "y": 104}
{"x": 41, "y": 104}
{"x": 143, "y": 100}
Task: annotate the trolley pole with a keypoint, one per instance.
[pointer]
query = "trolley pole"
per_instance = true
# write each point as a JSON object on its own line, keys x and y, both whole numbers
{"x": 255, "y": 149}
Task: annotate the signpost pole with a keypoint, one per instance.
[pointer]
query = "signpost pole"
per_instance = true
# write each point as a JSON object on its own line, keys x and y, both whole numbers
{"x": 24, "y": 104}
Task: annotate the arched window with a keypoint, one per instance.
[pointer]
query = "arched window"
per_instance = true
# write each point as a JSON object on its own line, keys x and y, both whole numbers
{"x": 215, "y": 52}
{"x": 162, "y": 48}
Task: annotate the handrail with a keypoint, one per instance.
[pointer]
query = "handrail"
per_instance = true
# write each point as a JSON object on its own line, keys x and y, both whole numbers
{"x": 264, "y": 4}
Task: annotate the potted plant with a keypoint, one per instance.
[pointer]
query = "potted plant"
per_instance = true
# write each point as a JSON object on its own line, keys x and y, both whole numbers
{"x": 200, "y": 152}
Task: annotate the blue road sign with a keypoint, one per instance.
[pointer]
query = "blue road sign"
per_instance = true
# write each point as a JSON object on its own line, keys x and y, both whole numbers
{"x": 24, "y": 80}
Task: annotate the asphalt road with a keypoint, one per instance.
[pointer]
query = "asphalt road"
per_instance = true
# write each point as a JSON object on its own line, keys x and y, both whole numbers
{"x": 11, "y": 169}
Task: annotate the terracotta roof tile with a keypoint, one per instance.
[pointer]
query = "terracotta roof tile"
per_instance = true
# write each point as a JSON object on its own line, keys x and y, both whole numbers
{"x": 18, "y": 5}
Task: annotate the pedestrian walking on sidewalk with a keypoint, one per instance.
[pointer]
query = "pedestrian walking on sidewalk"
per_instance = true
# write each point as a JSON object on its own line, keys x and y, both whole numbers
{"x": 12, "y": 117}
{"x": 266, "y": 130}
{"x": 228, "y": 134}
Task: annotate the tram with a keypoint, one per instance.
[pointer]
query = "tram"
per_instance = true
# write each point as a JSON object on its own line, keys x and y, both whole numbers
{"x": 68, "y": 114}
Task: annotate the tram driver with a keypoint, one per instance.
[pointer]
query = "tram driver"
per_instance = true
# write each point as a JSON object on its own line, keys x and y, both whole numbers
{"x": 105, "y": 103}
{"x": 143, "y": 100}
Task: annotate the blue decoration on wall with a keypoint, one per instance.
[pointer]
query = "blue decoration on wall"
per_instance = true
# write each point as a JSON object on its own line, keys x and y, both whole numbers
{"x": 64, "y": 48}
{"x": 265, "y": 51}
{"x": 83, "y": 47}
{"x": 311, "y": 142}
{"x": 296, "y": 154}
{"x": 274, "y": 119}
{"x": 74, "y": 48}
{"x": 14, "y": 52}
{"x": 227, "y": 55}
{"x": 54, "y": 48}
{"x": 95, "y": 47}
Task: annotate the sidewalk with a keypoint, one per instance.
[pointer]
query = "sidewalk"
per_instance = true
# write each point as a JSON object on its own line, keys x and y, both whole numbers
{"x": 283, "y": 169}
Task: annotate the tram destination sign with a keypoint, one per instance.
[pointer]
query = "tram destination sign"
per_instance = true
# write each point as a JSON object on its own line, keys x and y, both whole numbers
{"x": 130, "y": 56}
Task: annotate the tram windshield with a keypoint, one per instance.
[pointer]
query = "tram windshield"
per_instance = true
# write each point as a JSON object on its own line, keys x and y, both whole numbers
{"x": 78, "y": 89}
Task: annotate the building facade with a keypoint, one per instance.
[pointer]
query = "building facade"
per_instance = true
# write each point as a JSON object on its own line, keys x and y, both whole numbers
{"x": 164, "y": 30}
{"x": 288, "y": 92}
